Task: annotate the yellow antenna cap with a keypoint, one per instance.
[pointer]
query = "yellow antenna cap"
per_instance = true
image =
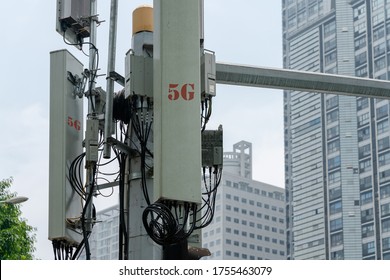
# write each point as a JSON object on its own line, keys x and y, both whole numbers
{"x": 143, "y": 19}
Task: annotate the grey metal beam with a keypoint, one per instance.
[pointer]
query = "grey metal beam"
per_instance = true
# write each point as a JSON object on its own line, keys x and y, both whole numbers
{"x": 242, "y": 75}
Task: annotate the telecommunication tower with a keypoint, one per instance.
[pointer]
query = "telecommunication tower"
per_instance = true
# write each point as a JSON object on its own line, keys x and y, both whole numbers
{"x": 164, "y": 152}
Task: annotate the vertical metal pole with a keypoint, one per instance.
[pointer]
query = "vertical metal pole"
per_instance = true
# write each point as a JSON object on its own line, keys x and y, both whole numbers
{"x": 92, "y": 53}
{"x": 110, "y": 82}
{"x": 91, "y": 104}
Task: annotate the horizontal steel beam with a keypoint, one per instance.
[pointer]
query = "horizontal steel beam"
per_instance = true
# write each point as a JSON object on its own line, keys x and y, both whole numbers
{"x": 242, "y": 75}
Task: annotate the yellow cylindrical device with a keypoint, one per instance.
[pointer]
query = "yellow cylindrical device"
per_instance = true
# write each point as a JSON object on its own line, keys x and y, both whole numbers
{"x": 143, "y": 19}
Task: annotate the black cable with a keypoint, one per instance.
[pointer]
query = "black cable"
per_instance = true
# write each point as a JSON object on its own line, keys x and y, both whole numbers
{"x": 206, "y": 110}
{"x": 164, "y": 227}
{"x": 75, "y": 175}
{"x": 87, "y": 202}
{"x": 123, "y": 235}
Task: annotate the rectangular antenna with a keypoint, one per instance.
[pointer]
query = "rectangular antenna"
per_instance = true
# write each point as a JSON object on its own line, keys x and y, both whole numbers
{"x": 73, "y": 19}
{"x": 66, "y": 137}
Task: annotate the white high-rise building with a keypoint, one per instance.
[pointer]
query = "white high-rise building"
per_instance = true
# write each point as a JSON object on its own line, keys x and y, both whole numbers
{"x": 104, "y": 240}
{"x": 249, "y": 221}
{"x": 337, "y": 148}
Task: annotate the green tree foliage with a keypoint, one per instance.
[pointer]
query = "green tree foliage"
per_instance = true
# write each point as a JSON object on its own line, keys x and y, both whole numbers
{"x": 17, "y": 238}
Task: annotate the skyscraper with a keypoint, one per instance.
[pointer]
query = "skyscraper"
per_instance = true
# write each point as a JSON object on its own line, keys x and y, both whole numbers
{"x": 337, "y": 147}
{"x": 249, "y": 220}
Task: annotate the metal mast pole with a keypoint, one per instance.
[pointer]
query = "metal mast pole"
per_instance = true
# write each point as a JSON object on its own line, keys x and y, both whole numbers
{"x": 110, "y": 81}
{"x": 90, "y": 165}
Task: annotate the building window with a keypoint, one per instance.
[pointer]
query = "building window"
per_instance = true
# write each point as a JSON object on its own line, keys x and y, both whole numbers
{"x": 334, "y": 162}
{"x": 330, "y": 58}
{"x": 386, "y": 225}
{"x": 359, "y": 12}
{"x": 337, "y": 255}
{"x": 384, "y": 176}
{"x": 382, "y": 111}
{"x": 365, "y": 165}
{"x": 360, "y": 43}
{"x": 330, "y": 45}
{"x": 367, "y": 215}
{"x": 335, "y": 207}
{"x": 365, "y": 197}
{"x": 367, "y": 230}
{"x": 386, "y": 243}
{"x": 333, "y": 146}
{"x": 336, "y": 224}
{"x": 336, "y": 239}
{"x": 363, "y": 119}
{"x": 364, "y": 134}
{"x": 368, "y": 248}
{"x": 360, "y": 59}
{"x": 364, "y": 151}
{"x": 383, "y": 143}
{"x": 332, "y": 116}
{"x": 334, "y": 177}
{"x": 380, "y": 64}
{"x": 384, "y": 159}
{"x": 385, "y": 191}
{"x": 333, "y": 132}
{"x": 361, "y": 72}
{"x": 385, "y": 210}
{"x": 365, "y": 183}
{"x": 329, "y": 29}
{"x": 378, "y": 33}
{"x": 383, "y": 126}
{"x": 379, "y": 49}
{"x": 334, "y": 193}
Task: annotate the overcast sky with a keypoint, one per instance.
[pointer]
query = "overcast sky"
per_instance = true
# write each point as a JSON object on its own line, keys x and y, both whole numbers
{"x": 246, "y": 32}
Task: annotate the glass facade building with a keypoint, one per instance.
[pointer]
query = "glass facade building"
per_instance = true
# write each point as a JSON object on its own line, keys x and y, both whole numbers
{"x": 337, "y": 149}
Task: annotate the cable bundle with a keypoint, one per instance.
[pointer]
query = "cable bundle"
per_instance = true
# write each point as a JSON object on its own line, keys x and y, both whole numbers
{"x": 206, "y": 212}
{"x": 62, "y": 250}
{"x": 206, "y": 110}
{"x": 166, "y": 221}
